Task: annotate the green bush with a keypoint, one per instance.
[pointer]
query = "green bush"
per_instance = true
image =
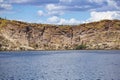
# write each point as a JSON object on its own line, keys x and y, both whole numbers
{"x": 3, "y": 23}
{"x": 82, "y": 46}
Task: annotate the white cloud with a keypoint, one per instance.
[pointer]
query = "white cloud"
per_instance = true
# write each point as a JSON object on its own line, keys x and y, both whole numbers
{"x": 106, "y": 5}
{"x": 74, "y": 21}
{"x": 112, "y": 4}
{"x": 51, "y": 7}
{"x": 19, "y": 1}
{"x": 41, "y": 13}
{"x": 71, "y": 21}
{"x": 53, "y": 19}
{"x": 97, "y": 1}
{"x": 65, "y": 0}
{"x": 1, "y": 1}
{"x": 54, "y": 10}
{"x": 62, "y": 21}
{"x": 96, "y": 16}
{"x": 6, "y": 6}
{"x": 55, "y": 13}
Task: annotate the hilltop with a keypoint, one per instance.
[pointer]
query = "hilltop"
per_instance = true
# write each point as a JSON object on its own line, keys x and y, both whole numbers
{"x": 17, "y": 35}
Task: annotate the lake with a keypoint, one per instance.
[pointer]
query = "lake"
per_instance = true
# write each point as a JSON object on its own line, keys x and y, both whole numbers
{"x": 60, "y": 65}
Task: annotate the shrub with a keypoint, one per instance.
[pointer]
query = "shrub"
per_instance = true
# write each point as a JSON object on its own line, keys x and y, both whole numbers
{"x": 82, "y": 46}
{"x": 3, "y": 23}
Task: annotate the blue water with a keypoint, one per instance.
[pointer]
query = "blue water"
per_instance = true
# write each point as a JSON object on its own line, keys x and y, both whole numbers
{"x": 60, "y": 65}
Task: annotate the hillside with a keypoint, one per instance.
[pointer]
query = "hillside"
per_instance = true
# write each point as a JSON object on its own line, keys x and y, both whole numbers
{"x": 16, "y": 35}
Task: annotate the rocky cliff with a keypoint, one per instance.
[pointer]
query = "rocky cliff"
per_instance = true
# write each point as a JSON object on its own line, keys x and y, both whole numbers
{"x": 16, "y": 35}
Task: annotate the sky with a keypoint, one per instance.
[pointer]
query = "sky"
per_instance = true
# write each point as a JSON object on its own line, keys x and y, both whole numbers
{"x": 60, "y": 12}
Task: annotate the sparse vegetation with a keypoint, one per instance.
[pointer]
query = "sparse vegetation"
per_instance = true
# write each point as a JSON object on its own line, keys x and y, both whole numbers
{"x": 3, "y": 23}
{"x": 80, "y": 47}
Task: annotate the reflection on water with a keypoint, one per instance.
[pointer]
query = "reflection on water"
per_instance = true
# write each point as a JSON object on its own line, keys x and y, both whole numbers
{"x": 60, "y": 65}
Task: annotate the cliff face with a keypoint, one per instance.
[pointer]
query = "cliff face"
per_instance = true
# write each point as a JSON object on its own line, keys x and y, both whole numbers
{"x": 16, "y": 35}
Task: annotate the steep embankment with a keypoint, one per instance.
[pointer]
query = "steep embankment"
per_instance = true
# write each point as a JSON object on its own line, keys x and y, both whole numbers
{"x": 16, "y": 35}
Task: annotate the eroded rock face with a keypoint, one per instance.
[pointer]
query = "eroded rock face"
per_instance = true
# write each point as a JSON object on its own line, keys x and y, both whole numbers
{"x": 16, "y": 35}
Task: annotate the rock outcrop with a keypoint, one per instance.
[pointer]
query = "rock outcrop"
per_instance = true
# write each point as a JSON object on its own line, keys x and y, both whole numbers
{"x": 16, "y": 35}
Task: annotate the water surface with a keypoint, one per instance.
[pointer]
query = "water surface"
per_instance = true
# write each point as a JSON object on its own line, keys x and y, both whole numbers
{"x": 60, "y": 65}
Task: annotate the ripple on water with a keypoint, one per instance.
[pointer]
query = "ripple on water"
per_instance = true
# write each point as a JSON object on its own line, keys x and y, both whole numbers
{"x": 65, "y": 66}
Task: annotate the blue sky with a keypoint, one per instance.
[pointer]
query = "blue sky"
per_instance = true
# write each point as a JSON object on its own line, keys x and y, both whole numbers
{"x": 60, "y": 11}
